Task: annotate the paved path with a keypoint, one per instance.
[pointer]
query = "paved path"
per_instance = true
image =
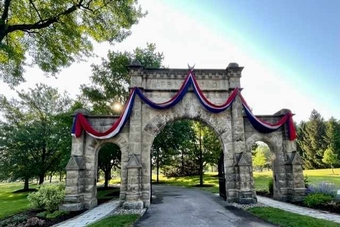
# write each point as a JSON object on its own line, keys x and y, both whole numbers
{"x": 299, "y": 210}
{"x": 90, "y": 216}
{"x": 177, "y": 207}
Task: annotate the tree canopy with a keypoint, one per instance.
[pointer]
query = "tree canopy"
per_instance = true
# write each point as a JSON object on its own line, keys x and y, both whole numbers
{"x": 54, "y": 33}
{"x": 34, "y": 136}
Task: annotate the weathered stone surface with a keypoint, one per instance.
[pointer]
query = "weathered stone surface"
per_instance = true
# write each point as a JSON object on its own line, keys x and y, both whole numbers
{"x": 232, "y": 127}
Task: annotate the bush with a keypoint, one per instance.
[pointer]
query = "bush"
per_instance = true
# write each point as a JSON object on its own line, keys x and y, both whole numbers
{"x": 306, "y": 180}
{"x": 322, "y": 188}
{"x": 15, "y": 220}
{"x": 49, "y": 197}
{"x": 34, "y": 222}
{"x": 315, "y": 199}
{"x": 56, "y": 214}
{"x": 271, "y": 186}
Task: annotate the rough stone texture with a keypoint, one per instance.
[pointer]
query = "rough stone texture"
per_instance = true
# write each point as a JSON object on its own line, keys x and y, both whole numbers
{"x": 135, "y": 140}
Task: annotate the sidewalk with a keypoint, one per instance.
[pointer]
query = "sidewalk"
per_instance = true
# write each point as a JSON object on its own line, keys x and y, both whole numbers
{"x": 90, "y": 216}
{"x": 299, "y": 210}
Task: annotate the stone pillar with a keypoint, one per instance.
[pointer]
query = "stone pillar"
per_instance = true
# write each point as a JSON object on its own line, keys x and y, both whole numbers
{"x": 294, "y": 174}
{"x": 75, "y": 172}
{"x": 246, "y": 191}
{"x": 134, "y": 189}
{"x": 133, "y": 193}
{"x": 74, "y": 200}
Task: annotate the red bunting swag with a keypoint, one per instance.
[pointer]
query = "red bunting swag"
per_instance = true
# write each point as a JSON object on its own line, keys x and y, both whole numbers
{"x": 80, "y": 123}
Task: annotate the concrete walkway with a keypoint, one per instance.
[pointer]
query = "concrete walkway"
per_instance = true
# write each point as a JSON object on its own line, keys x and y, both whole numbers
{"x": 91, "y": 216}
{"x": 299, "y": 210}
{"x": 105, "y": 209}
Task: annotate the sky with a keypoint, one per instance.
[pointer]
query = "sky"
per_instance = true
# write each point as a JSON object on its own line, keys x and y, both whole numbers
{"x": 290, "y": 50}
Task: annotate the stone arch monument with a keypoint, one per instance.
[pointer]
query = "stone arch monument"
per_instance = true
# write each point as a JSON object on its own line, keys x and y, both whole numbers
{"x": 234, "y": 126}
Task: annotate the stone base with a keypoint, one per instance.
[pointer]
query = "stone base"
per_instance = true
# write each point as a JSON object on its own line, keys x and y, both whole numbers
{"x": 71, "y": 207}
{"x": 91, "y": 204}
{"x": 129, "y": 205}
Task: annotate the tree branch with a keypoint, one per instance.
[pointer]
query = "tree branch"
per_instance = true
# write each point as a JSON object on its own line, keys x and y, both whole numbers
{"x": 6, "y": 9}
{"x": 42, "y": 23}
{"x": 36, "y": 10}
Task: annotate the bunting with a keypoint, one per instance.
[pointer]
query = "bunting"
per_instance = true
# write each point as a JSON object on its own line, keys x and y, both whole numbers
{"x": 80, "y": 123}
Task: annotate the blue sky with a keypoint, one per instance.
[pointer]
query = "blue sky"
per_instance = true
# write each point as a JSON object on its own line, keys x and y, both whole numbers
{"x": 290, "y": 49}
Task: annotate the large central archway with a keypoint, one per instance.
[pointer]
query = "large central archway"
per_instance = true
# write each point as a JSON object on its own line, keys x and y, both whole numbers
{"x": 160, "y": 96}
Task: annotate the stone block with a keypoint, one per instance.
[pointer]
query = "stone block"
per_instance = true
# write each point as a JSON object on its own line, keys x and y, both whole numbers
{"x": 128, "y": 205}
{"x": 72, "y": 207}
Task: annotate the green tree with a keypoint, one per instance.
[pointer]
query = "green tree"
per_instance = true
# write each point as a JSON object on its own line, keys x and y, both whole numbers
{"x": 110, "y": 79}
{"x": 330, "y": 158}
{"x": 36, "y": 130}
{"x": 170, "y": 146}
{"x": 259, "y": 160}
{"x": 108, "y": 158}
{"x": 312, "y": 142}
{"x": 52, "y": 34}
{"x": 207, "y": 147}
{"x": 332, "y": 137}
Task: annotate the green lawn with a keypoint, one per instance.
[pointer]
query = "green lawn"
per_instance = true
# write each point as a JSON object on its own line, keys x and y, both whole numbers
{"x": 12, "y": 203}
{"x": 116, "y": 221}
{"x": 287, "y": 219}
{"x": 261, "y": 179}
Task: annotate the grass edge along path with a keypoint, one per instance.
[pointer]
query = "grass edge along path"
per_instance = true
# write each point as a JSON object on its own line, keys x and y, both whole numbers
{"x": 288, "y": 219}
{"x": 125, "y": 220}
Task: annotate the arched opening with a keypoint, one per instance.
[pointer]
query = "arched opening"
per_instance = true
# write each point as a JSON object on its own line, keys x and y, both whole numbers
{"x": 186, "y": 153}
{"x": 108, "y": 172}
{"x": 263, "y": 157}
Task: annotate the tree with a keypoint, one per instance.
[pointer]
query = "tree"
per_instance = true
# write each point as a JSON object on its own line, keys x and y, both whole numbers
{"x": 53, "y": 34}
{"x": 207, "y": 147}
{"x": 171, "y": 145}
{"x": 36, "y": 130}
{"x": 110, "y": 79}
{"x": 259, "y": 160}
{"x": 332, "y": 136}
{"x": 108, "y": 158}
{"x": 313, "y": 143}
{"x": 330, "y": 158}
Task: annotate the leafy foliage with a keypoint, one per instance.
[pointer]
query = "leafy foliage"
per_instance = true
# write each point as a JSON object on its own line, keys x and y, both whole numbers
{"x": 330, "y": 158}
{"x": 108, "y": 158}
{"x": 312, "y": 141}
{"x": 34, "y": 137}
{"x": 271, "y": 186}
{"x": 49, "y": 197}
{"x": 314, "y": 199}
{"x": 322, "y": 188}
{"x": 56, "y": 33}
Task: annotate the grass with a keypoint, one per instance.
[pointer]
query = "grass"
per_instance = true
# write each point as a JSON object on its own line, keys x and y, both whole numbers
{"x": 117, "y": 221}
{"x": 12, "y": 203}
{"x": 261, "y": 179}
{"x": 287, "y": 219}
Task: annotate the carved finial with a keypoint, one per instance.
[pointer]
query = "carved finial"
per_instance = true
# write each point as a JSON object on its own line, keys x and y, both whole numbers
{"x": 191, "y": 68}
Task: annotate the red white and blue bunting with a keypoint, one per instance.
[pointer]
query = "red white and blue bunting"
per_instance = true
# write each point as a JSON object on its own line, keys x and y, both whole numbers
{"x": 80, "y": 123}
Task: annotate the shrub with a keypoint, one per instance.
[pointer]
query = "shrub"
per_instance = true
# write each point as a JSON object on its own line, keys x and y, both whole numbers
{"x": 34, "y": 222}
{"x": 315, "y": 199}
{"x": 322, "y": 188}
{"x": 271, "y": 186}
{"x": 306, "y": 180}
{"x": 15, "y": 220}
{"x": 49, "y": 197}
{"x": 55, "y": 214}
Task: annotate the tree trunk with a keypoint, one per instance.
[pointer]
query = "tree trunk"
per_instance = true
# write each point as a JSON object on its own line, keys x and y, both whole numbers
{"x": 26, "y": 184}
{"x": 41, "y": 178}
{"x": 201, "y": 158}
{"x": 332, "y": 169}
{"x": 157, "y": 170}
{"x": 107, "y": 178}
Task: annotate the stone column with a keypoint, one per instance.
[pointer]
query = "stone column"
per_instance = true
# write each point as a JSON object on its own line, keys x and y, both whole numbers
{"x": 246, "y": 191}
{"x": 134, "y": 189}
{"x": 74, "y": 200}
{"x": 133, "y": 193}
{"x": 294, "y": 173}
{"x": 75, "y": 171}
